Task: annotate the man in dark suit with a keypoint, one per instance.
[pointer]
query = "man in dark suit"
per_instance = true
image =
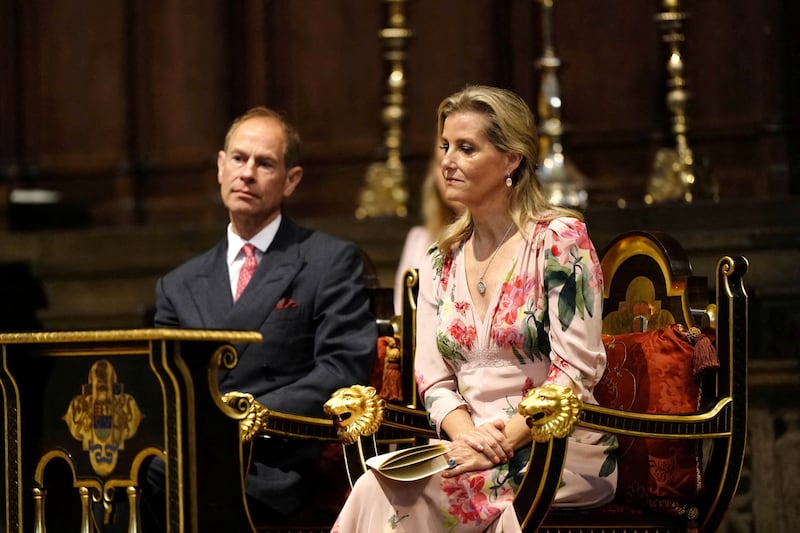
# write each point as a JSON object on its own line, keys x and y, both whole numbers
{"x": 306, "y": 297}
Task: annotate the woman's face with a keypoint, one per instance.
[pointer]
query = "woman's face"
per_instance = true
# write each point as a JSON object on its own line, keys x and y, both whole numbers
{"x": 474, "y": 170}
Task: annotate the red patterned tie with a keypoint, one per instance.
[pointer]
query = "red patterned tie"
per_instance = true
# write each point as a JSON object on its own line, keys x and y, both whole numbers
{"x": 248, "y": 268}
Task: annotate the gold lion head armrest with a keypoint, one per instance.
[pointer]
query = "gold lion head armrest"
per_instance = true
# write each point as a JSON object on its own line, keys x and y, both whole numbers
{"x": 254, "y": 415}
{"x": 357, "y": 411}
{"x": 551, "y": 411}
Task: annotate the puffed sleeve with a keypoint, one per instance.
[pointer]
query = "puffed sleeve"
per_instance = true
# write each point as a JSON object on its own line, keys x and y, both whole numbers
{"x": 436, "y": 379}
{"x": 573, "y": 287}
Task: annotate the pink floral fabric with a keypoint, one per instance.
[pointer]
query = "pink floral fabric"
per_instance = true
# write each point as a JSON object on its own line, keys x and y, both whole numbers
{"x": 543, "y": 325}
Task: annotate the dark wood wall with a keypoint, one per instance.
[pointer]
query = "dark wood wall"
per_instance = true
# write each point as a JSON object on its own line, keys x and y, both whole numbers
{"x": 121, "y": 106}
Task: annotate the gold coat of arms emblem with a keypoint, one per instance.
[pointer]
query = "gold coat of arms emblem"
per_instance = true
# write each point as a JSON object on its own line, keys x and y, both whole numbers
{"x": 103, "y": 417}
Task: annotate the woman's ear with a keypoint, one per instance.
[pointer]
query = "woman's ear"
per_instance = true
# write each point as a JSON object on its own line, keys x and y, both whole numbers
{"x": 514, "y": 159}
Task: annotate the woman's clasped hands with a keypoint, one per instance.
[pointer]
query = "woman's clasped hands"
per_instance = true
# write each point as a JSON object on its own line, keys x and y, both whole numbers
{"x": 479, "y": 448}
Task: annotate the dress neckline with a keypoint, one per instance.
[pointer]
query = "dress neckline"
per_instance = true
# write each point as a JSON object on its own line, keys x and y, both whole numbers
{"x": 481, "y": 323}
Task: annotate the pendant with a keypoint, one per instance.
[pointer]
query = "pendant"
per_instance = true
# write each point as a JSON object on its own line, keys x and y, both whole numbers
{"x": 481, "y": 287}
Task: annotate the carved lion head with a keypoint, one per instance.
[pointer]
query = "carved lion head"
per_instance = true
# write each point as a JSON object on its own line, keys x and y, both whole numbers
{"x": 551, "y": 411}
{"x": 356, "y": 411}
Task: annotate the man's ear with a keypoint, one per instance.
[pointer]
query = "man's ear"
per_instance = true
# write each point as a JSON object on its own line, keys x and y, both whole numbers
{"x": 293, "y": 177}
{"x": 220, "y": 164}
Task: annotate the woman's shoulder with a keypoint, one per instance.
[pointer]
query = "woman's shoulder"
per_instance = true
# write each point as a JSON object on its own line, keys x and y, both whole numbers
{"x": 417, "y": 242}
{"x": 558, "y": 224}
{"x": 418, "y": 236}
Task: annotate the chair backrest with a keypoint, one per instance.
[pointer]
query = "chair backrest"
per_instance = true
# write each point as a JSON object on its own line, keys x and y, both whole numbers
{"x": 648, "y": 284}
{"x": 651, "y": 305}
{"x": 676, "y": 377}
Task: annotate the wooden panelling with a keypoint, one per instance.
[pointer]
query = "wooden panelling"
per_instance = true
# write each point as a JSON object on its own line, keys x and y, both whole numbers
{"x": 327, "y": 75}
{"x": 180, "y": 53}
{"x": 9, "y": 89}
{"x": 122, "y": 107}
{"x": 73, "y": 81}
{"x": 731, "y": 64}
{"x": 611, "y": 78}
{"x": 451, "y": 47}
{"x": 178, "y": 101}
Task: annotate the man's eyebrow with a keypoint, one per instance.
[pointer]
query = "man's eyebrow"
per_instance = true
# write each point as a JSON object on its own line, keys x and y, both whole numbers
{"x": 265, "y": 158}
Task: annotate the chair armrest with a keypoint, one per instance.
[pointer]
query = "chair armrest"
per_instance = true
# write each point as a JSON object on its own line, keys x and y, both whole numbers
{"x": 404, "y": 423}
{"x": 710, "y": 423}
{"x": 552, "y": 411}
{"x": 256, "y": 419}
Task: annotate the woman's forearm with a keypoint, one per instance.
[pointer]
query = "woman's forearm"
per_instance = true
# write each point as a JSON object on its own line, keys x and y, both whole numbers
{"x": 517, "y": 432}
{"x": 457, "y": 422}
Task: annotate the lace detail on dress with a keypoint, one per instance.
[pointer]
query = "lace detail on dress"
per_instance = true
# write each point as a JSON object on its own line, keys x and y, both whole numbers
{"x": 482, "y": 358}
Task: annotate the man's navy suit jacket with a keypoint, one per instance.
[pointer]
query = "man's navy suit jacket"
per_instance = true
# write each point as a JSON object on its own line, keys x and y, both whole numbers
{"x": 307, "y": 299}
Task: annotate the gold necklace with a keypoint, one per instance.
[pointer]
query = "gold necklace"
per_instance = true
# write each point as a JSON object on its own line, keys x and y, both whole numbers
{"x": 481, "y": 285}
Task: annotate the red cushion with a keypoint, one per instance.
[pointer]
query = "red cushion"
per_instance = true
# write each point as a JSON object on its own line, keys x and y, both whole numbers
{"x": 653, "y": 372}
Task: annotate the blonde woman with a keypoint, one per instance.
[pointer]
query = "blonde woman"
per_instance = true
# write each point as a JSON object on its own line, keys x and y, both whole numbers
{"x": 509, "y": 299}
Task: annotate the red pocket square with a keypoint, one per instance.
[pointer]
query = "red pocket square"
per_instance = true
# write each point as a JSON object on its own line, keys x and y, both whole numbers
{"x": 285, "y": 303}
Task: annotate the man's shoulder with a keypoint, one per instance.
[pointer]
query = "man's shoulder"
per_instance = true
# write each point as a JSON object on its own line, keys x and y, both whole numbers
{"x": 196, "y": 264}
{"x": 318, "y": 241}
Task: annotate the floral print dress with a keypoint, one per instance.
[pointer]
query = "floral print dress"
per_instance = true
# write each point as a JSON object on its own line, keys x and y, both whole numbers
{"x": 542, "y": 325}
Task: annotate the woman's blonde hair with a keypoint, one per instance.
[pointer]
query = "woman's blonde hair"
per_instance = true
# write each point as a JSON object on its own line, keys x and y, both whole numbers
{"x": 510, "y": 127}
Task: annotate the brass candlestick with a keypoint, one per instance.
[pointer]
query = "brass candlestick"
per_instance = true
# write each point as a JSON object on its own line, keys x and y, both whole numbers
{"x": 675, "y": 170}
{"x": 562, "y": 183}
{"x": 385, "y": 192}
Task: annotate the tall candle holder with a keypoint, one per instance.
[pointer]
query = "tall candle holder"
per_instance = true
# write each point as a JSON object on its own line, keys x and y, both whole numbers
{"x": 676, "y": 172}
{"x": 562, "y": 183}
{"x": 385, "y": 192}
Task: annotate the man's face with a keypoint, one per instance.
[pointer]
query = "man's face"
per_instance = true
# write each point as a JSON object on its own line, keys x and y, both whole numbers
{"x": 252, "y": 173}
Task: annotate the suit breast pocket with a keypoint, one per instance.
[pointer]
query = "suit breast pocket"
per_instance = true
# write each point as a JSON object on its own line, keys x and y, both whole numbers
{"x": 286, "y": 314}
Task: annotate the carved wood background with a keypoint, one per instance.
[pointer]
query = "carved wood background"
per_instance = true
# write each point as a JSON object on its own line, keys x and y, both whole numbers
{"x": 121, "y": 106}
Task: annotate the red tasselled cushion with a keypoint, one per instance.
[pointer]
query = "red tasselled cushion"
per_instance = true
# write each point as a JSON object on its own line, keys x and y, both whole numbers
{"x": 653, "y": 372}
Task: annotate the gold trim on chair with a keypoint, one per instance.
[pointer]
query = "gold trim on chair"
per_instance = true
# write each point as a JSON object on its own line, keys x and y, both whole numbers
{"x": 254, "y": 416}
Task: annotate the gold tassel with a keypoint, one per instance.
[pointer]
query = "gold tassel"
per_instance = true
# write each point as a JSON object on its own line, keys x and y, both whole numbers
{"x": 392, "y": 380}
{"x": 692, "y": 514}
{"x": 705, "y": 355}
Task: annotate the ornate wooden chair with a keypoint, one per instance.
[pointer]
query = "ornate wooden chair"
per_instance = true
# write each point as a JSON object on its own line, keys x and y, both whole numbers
{"x": 674, "y": 392}
{"x": 676, "y": 379}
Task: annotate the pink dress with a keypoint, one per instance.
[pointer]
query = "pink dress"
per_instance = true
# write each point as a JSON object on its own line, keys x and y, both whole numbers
{"x": 543, "y": 325}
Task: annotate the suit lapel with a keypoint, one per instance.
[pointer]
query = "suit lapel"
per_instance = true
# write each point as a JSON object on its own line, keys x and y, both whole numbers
{"x": 276, "y": 271}
{"x": 210, "y": 288}
{"x": 274, "y": 274}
